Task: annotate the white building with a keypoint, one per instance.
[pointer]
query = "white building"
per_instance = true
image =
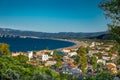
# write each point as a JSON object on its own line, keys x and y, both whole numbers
{"x": 91, "y": 52}
{"x": 92, "y": 44}
{"x": 66, "y": 50}
{"x": 72, "y": 54}
{"x": 45, "y": 57}
{"x": 106, "y": 58}
{"x": 101, "y": 61}
{"x": 52, "y": 53}
{"x": 30, "y": 55}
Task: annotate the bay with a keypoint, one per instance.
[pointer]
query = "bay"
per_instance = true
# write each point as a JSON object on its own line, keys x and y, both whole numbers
{"x": 32, "y": 44}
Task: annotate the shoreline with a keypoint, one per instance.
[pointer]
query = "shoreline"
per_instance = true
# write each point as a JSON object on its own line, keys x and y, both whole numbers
{"x": 77, "y": 44}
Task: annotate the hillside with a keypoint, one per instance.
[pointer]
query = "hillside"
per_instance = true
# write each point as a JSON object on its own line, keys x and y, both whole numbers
{"x": 5, "y": 32}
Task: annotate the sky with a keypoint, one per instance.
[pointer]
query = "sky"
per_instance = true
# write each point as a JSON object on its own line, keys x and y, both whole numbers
{"x": 52, "y": 15}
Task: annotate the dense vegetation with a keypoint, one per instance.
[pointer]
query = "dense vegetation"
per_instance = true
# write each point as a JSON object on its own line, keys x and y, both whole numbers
{"x": 111, "y": 9}
{"x": 17, "y": 68}
{"x": 4, "y": 49}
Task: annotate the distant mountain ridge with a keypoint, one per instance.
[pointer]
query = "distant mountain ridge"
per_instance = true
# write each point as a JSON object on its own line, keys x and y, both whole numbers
{"x": 6, "y": 32}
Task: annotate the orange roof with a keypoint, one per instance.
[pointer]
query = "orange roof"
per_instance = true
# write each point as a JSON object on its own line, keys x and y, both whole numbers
{"x": 110, "y": 65}
{"x": 72, "y": 64}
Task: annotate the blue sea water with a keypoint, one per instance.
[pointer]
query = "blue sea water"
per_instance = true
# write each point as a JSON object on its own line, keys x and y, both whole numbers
{"x": 30, "y": 44}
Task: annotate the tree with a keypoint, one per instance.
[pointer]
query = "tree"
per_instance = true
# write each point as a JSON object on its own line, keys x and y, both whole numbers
{"x": 110, "y": 55}
{"x": 4, "y": 49}
{"x": 58, "y": 58}
{"x": 100, "y": 67}
{"x": 88, "y": 49}
{"x": 12, "y": 75}
{"x": 82, "y": 60}
{"x": 114, "y": 49}
{"x": 99, "y": 55}
{"x": 94, "y": 61}
{"x": 81, "y": 50}
{"x": 112, "y": 11}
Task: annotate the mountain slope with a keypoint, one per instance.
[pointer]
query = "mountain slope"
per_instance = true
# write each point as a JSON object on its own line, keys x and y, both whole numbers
{"x": 67, "y": 35}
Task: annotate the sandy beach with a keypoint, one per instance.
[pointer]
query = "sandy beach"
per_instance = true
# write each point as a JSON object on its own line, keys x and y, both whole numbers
{"x": 76, "y": 42}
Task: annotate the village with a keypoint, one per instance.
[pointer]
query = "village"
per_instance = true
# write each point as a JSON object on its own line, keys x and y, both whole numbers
{"x": 99, "y": 55}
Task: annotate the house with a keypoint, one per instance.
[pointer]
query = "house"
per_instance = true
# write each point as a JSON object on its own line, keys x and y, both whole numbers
{"x": 17, "y": 54}
{"x": 74, "y": 48}
{"x": 50, "y": 63}
{"x": 106, "y": 58}
{"x": 67, "y": 59}
{"x": 91, "y": 52}
{"x": 72, "y": 64}
{"x": 114, "y": 56}
{"x": 45, "y": 57}
{"x": 92, "y": 44}
{"x": 112, "y": 67}
{"x": 66, "y": 50}
{"x": 72, "y": 54}
{"x": 68, "y": 69}
{"x": 101, "y": 61}
{"x": 107, "y": 47}
{"x": 42, "y": 56}
{"x": 34, "y": 55}
{"x": 30, "y": 55}
{"x": 51, "y": 52}
{"x": 43, "y": 52}
{"x": 105, "y": 53}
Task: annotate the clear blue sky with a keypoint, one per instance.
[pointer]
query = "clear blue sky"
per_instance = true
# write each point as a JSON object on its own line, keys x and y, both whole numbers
{"x": 52, "y": 15}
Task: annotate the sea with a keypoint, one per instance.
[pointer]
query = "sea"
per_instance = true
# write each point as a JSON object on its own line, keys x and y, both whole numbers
{"x": 33, "y": 44}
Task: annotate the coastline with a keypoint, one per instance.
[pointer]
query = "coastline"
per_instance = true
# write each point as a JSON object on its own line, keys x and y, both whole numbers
{"x": 77, "y": 44}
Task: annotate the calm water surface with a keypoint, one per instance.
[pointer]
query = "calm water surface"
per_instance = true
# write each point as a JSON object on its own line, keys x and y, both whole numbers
{"x": 29, "y": 44}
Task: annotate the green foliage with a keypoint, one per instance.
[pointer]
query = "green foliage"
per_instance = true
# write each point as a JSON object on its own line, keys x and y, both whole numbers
{"x": 115, "y": 32}
{"x": 16, "y": 68}
{"x": 4, "y": 49}
{"x": 114, "y": 48}
{"x": 112, "y": 11}
{"x": 111, "y": 8}
{"x": 94, "y": 61}
{"x": 88, "y": 49}
{"x": 68, "y": 77}
{"x": 12, "y": 75}
{"x": 21, "y": 58}
{"x": 110, "y": 55}
{"x": 119, "y": 51}
{"x": 99, "y": 55}
{"x": 46, "y": 74}
{"x": 101, "y": 76}
{"x": 118, "y": 61}
{"x": 82, "y": 59}
{"x": 104, "y": 76}
{"x": 58, "y": 58}
{"x": 99, "y": 65}
{"x": 81, "y": 50}
{"x": 118, "y": 74}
